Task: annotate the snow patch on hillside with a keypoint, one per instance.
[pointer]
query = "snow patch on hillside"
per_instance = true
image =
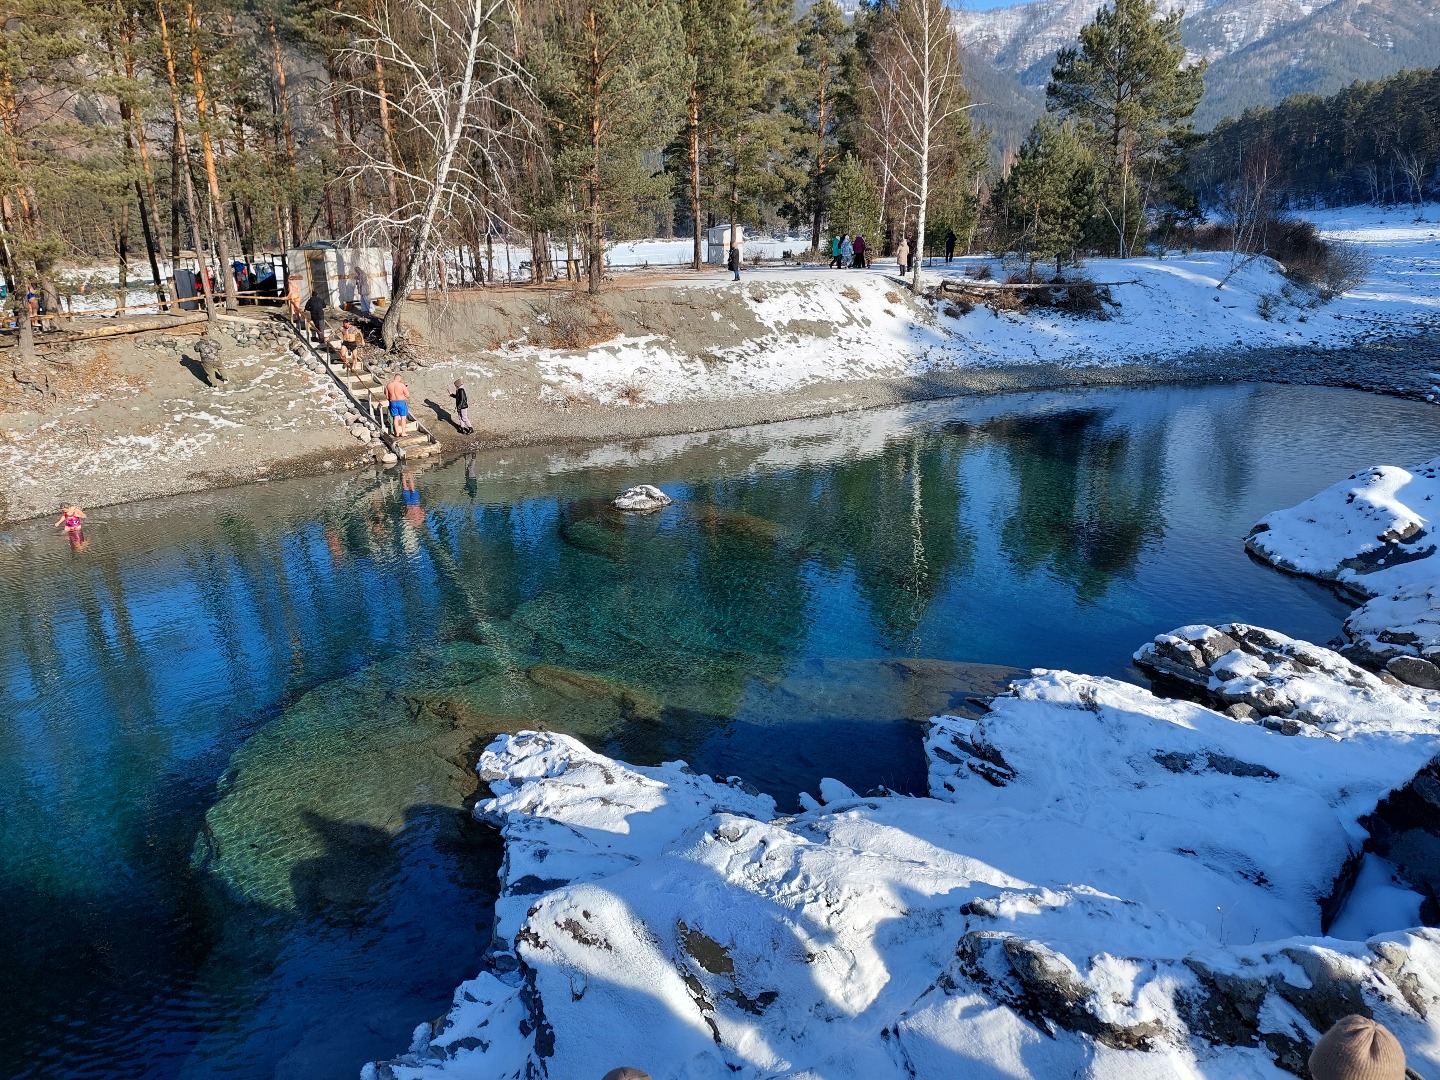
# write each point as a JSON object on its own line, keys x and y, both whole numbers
{"x": 812, "y": 325}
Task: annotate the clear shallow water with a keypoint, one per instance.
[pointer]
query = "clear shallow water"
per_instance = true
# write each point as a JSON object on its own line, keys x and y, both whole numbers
{"x": 237, "y": 726}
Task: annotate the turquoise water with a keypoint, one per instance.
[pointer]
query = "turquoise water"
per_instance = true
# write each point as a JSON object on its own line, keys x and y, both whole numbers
{"x": 238, "y": 727}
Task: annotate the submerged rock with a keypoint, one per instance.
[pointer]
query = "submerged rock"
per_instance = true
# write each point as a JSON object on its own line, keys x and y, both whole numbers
{"x": 1103, "y": 883}
{"x": 642, "y": 498}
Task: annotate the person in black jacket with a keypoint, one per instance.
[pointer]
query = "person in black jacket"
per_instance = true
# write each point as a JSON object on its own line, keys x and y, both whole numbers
{"x": 462, "y": 409}
{"x": 734, "y": 260}
{"x": 315, "y": 308}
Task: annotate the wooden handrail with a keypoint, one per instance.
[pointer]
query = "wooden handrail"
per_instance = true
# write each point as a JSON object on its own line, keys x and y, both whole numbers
{"x": 127, "y": 308}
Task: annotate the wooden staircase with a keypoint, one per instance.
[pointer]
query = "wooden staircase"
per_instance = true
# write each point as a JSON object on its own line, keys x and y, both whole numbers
{"x": 366, "y": 392}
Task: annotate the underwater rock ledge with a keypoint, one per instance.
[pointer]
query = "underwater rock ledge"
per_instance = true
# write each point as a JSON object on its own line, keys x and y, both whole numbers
{"x": 1102, "y": 880}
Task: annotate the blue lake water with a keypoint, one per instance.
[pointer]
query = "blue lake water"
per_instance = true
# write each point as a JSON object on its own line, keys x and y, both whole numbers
{"x": 238, "y": 727}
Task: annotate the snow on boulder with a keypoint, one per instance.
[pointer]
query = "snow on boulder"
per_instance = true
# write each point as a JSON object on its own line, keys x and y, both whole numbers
{"x": 642, "y": 498}
{"x": 1370, "y": 532}
{"x": 1103, "y": 883}
{"x": 1400, "y": 630}
{"x": 1289, "y": 685}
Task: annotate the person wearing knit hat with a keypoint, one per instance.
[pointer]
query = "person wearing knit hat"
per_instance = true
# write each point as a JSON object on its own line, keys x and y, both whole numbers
{"x": 625, "y": 1072}
{"x": 1357, "y": 1048}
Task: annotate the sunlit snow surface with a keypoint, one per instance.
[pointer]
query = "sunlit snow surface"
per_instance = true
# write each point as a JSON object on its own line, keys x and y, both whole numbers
{"x": 1163, "y": 308}
{"x": 1135, "y": 848}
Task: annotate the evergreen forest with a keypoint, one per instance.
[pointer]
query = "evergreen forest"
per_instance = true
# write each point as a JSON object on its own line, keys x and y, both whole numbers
{"x": 136, "y": 132}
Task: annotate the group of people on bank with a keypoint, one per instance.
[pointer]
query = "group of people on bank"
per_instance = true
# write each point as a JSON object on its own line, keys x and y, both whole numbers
{"x": 847, "y": 251}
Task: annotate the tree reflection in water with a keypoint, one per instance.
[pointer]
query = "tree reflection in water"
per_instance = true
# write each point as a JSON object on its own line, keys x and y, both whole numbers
{"x": 300, "y": 675}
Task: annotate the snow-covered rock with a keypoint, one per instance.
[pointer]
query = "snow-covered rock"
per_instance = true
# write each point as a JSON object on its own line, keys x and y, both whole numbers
{"x": 1103, "y": 883}
{"x": 1373, "y": 534}
{"x": 1370, "y": 532}
{"x": 642, "y": 498}
{"x": 1290, "y": 685}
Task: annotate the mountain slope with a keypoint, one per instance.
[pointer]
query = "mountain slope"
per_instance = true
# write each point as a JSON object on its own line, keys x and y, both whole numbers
{"x": 1344, "y": 41}
{"x": 1259, "y": 50}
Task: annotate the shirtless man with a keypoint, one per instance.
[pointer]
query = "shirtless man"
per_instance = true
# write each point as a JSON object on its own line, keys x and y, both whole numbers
{"x": 350, "y": 341}
{"x": 297, "y": 313}
{"x": 398, "y": 394}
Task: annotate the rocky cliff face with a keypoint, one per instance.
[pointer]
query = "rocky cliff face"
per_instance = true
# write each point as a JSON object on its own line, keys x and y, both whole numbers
{"x": 1259, "y": 51}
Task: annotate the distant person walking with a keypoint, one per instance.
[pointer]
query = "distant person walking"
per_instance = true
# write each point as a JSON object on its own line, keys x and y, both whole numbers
{"x": 859, "y": 245}
{"x": 847, "y": 251}
{"x": 398, "y": 395}
{"x": 734, "y": 260}
{"x": 462, "y": 409}
{"x": 902, "y": 256}
{"x": 950, "y": 239}
{"x": 835, "y": 253}
{"x": 297, "y": 310}
{"x": 315, "y": 308}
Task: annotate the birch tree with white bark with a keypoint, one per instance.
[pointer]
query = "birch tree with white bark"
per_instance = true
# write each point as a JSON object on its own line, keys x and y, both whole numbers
{"x": 922, "y": 58}
{"x": 457, "y": 93}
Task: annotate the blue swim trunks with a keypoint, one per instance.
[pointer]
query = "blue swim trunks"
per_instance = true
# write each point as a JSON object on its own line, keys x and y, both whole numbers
{"x": 410, "y": 496}
{"x": 399, "y": 408}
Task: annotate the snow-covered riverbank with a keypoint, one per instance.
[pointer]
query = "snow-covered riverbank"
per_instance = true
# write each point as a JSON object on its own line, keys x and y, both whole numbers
{"x": 785, "y": 328}
{"x": 1102, "y": 882}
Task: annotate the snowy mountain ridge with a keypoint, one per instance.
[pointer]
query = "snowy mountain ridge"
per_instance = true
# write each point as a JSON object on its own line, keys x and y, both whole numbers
{"x": 1259, "y": 50}
{"x": 1024, "y": 38}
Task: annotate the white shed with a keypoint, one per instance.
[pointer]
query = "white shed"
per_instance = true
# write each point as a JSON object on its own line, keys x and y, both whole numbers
{"x": 717, "y": 243}
{"x": 347, "y": 276}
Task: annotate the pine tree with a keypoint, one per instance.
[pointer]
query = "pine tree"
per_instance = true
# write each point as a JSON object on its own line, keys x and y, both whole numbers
{"x": 1049, "y": 195}
{"x": 43, "y": 64}
{"x": 755, "y": 69}
{"x": 612, "y": 76}
{"x": 823, "y": 99}
{"x": 1128, "y": 86}
{"x": 854, "y": 200}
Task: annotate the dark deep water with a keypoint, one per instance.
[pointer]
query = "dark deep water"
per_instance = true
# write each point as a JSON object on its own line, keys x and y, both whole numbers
{"x": 237, "y": 726}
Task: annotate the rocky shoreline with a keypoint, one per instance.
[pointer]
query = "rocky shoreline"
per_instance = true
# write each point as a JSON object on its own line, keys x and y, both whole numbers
{"x": 48, "y": 457}
{"x": 1103, "y": 881}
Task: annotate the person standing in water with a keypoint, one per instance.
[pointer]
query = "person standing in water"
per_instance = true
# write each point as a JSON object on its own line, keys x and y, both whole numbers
{"x": 462, "y": 409}
{"x": 398, "y": 395}
{"x": 71, "y": 519}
